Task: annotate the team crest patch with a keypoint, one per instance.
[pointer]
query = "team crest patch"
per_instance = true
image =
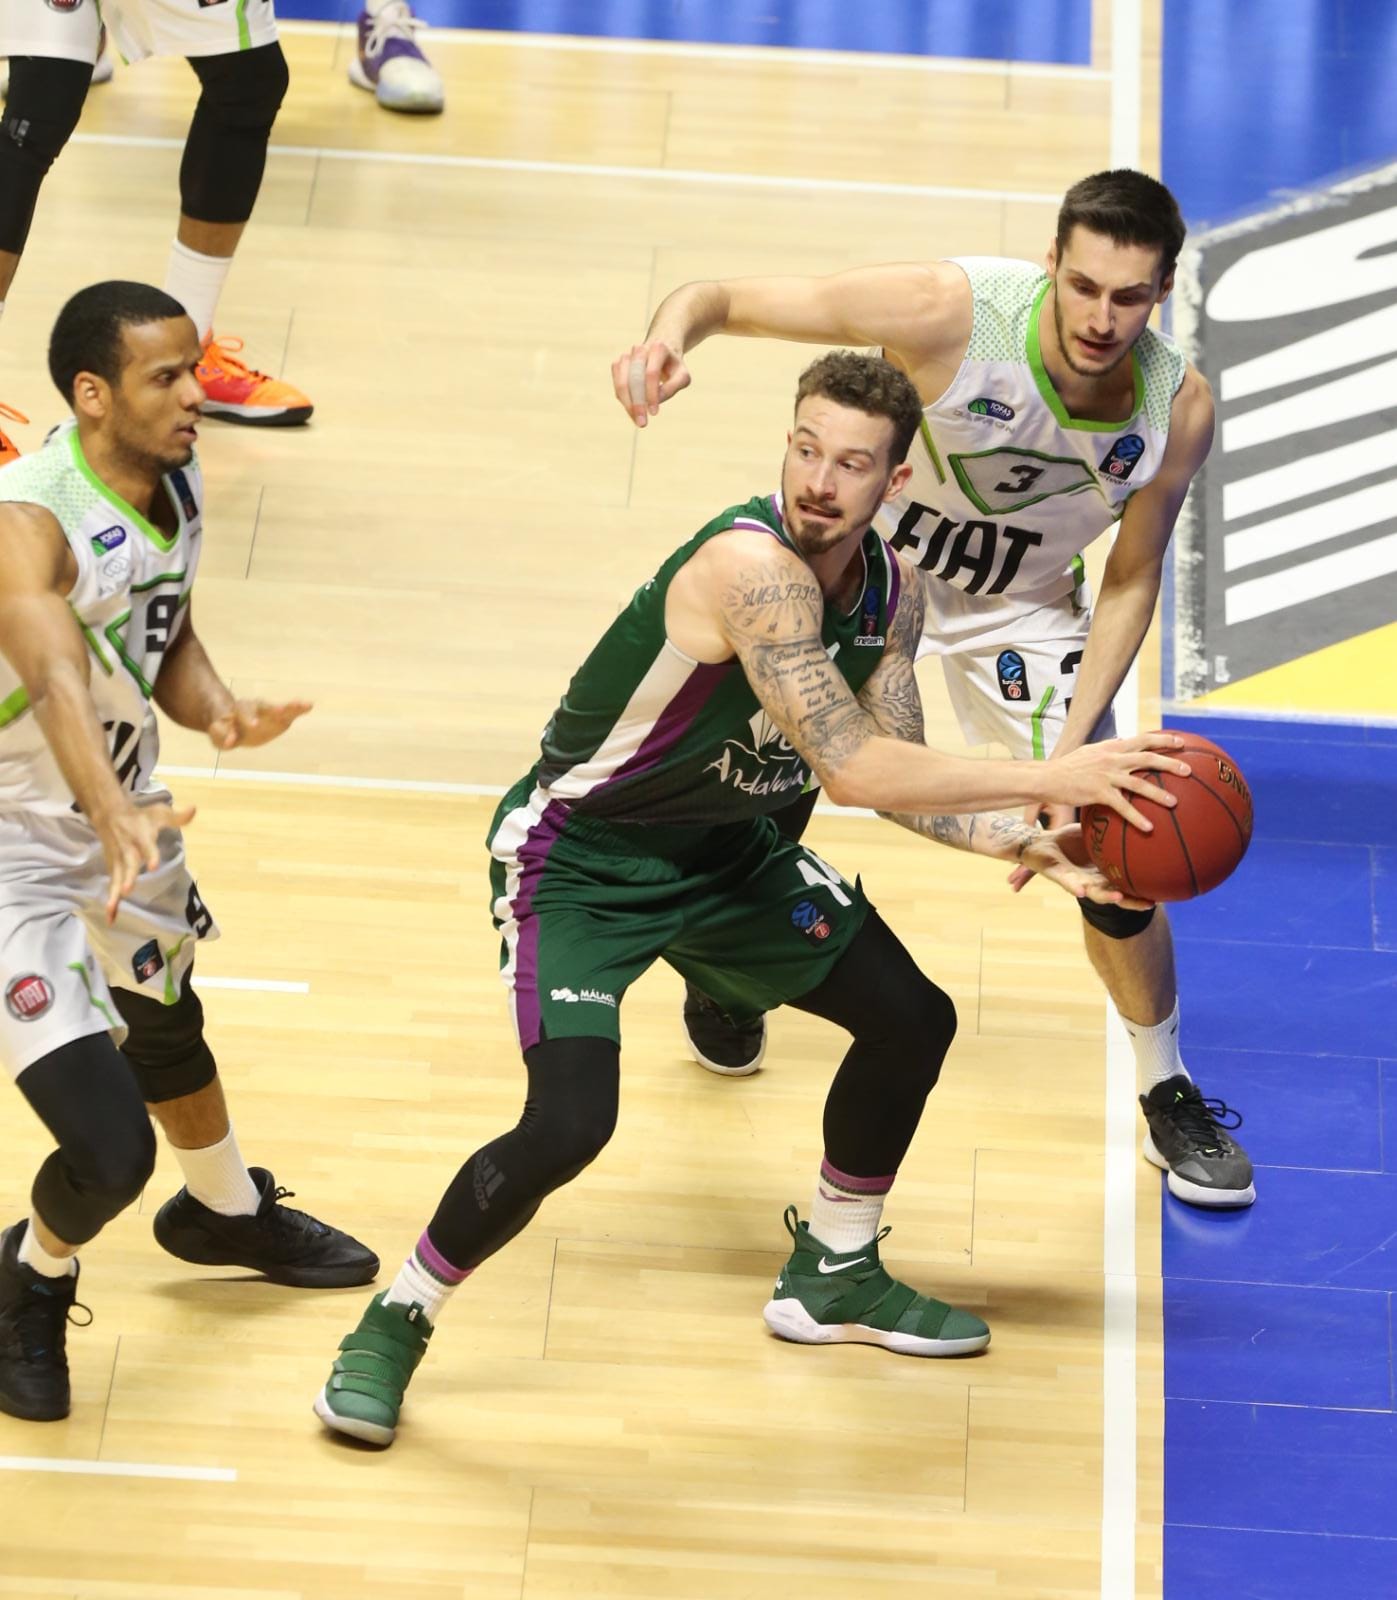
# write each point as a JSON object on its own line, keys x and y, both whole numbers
{"x": 147, "y": 961}
{"x": 985, "y": 407}
{"x": 28, "y": 997}
{"x": 811, "y": 921}
{"x": 1013, "y": 675}
{"x": 868, "y": 622}
{"x": 178, "y": 482}
{"x": 1122, "y": 456}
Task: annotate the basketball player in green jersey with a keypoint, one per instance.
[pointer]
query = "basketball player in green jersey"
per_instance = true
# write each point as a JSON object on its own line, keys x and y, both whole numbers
{"x": 1051, "y": 412}
{"x": 777, "y": 642}
{"x": 100, "y": 918}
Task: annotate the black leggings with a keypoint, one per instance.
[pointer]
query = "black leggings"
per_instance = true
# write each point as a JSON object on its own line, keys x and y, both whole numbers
{"x": 86, "y": 1095}
{"x": 902, "y": 1026}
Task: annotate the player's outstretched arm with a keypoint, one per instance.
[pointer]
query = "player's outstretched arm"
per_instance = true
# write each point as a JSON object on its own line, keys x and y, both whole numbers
{"x": 916, "y": 312}
{"x": 892, "y": 699}
{"x": 42, "y": 641}
{"x": 766, "y": 606}
{"x": 190, "y": 692}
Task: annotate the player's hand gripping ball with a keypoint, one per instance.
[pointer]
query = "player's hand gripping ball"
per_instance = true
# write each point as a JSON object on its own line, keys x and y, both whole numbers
{"x": 1195, "y": 844}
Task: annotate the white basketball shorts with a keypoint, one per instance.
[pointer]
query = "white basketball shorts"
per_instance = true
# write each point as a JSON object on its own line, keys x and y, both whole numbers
{"x": 68, "y": 29}
{"x": 59, "y": 957}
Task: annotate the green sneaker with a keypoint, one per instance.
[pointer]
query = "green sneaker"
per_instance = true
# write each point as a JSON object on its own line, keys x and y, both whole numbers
{"x": 364, "y": 1392}
{"x": 825, "y": 1298}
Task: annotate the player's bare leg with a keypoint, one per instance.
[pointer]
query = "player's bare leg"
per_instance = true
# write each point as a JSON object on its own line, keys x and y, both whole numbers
{"x": 1187, "y": 1135}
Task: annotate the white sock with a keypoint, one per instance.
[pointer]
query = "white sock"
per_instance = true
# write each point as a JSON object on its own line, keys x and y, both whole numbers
{"x": 33, "y": 1254}
{"x": 425, "y": 1279}
{"x": 845, "y": 1212}
{"x": 217, "y": 1176}
{"x": 1156, "y": 1050}
{"x": 196, "y": 281}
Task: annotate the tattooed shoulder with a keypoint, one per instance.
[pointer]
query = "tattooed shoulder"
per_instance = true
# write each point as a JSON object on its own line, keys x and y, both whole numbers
{"x": 773, "y": 599}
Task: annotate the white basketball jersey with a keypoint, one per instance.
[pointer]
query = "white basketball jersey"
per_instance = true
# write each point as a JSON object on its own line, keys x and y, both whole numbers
{"x": 132, "y": 585}
{"x": 1006, "y": 488}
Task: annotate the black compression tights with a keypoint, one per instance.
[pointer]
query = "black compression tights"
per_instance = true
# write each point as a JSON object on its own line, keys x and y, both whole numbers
{"x": 902, "y": 1026}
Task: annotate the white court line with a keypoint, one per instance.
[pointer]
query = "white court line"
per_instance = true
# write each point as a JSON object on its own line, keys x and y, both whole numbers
{"x": 329, "y": 780}
{"x": 262, "y": 985}
{"x": 862, "y": 61}
{"x": 116, "y": 1469}
{"x": 582, "y": 169}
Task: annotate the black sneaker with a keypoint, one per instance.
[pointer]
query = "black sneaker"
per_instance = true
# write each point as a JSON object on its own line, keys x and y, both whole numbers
{"x": 719, "y": 1042}
{"x": 1188, "y": 1138}
{"x": 34, "y": 1314}
{"x": 284, "y": 1245}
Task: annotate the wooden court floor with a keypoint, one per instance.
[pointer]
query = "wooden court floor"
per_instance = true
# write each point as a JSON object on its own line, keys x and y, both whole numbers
{"x": 602, "y": 1414}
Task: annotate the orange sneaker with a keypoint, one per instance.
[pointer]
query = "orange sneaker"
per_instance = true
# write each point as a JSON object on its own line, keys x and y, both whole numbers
{"x": 9, "y": 450}
{"x": 239, "y": 393}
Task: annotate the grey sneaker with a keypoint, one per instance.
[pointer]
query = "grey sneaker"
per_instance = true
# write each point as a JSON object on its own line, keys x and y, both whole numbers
{"x": 1188, "y": 1138}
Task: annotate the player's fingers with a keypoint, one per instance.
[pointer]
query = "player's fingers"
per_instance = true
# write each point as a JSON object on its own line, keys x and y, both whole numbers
{"x": 1155, "y": 761}
{"x": 1137, "y": 783}
{"x": 1118, "y": 800}
{"x": 1019, "y": 877}
{"x": 677, "y": 380}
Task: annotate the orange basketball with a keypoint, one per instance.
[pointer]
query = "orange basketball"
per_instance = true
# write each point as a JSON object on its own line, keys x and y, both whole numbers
{"x": 1195, "y": 844}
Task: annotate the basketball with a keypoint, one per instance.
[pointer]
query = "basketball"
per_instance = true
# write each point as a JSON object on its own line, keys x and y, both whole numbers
{"x": 1195, "y": 844}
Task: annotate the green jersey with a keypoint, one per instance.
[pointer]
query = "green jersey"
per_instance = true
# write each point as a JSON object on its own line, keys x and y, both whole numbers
{"x": 646, "y": 734}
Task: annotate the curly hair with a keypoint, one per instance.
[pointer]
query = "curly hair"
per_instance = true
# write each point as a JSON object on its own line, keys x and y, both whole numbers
{"x": 868, "y": 384}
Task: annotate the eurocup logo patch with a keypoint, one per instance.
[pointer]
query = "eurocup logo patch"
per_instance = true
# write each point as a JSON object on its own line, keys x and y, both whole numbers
{"x": 811, "y": 921}
{"x": 1013, "y": 675}
{"x": 1122, "y": 456}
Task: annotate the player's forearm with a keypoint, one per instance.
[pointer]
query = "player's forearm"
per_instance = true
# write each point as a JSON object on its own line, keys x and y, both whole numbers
{"x": 996, "y": 833}
{"x": 891, "y": 776}
{"x": 63, "y": 708}
{"x": 687, "y": 317}
{"x": 1118, "y": 627}
{"x": 188, "y": 690}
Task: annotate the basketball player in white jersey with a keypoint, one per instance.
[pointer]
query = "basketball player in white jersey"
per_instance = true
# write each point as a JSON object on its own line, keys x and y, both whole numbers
{"x": 100, "y": 533}
{"x": 1052, "y": 412}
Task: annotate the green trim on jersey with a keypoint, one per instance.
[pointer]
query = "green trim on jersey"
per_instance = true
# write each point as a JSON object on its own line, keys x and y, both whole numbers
{"x": 1036, "y": 721}
{"x": 1053, "y": 400}
{"x": 101, "y": 1005}
{"x": 13, "y": 706}
{"x": 1087, "y": 480}
{"x": 931, "y": 450}
{"x": 113, "y": 499}
{"x": 244, "y": 33}
{"x": 93, "y": 645}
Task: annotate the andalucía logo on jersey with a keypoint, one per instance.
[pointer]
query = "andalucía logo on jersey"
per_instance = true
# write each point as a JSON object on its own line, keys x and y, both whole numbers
{"x": 769, "y": 765}
{"x": 1122, "y": 456}
{"x": 1013, "y": 675}
{"x": 985, "y": 407}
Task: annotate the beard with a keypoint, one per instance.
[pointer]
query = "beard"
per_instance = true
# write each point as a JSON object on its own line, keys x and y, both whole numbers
{"x": 1064, "y": 346}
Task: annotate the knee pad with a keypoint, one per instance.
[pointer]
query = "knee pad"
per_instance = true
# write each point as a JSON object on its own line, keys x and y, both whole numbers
{"x": 227, "y": 145}
{"x": 45, "y": 101}
{"x": 80, "y": 1188}
{"x": 1115, "y": 921}
{"x": 165, "y": 1044}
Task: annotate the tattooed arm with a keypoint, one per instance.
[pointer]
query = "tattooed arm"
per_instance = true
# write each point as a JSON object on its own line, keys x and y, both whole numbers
{"x": 892, "y": 699}
{"x": 743, "y": 594}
